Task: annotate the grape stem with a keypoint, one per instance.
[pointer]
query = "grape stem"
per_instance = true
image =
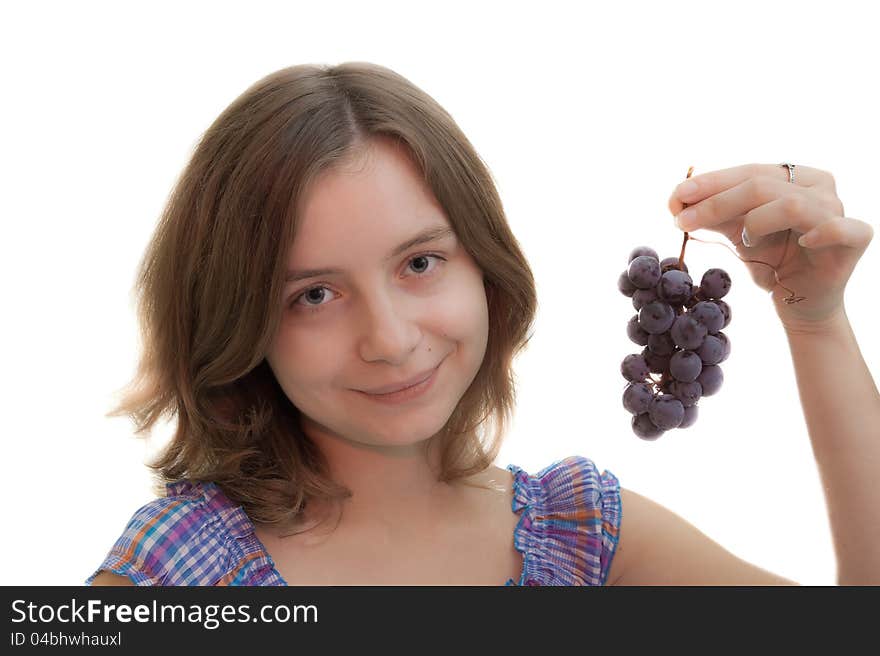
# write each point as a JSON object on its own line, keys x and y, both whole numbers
{"x": 791, "y": 298}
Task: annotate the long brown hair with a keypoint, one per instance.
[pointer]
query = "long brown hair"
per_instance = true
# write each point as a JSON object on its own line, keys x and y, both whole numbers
{"x": 210, "y": 285}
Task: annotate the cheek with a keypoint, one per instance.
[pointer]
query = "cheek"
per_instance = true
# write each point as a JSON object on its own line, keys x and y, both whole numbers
{"x": 463, "y": 314}
{"x": 304, "y": 365}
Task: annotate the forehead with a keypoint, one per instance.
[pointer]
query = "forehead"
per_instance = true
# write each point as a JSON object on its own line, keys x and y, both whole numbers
{"x": 377, "y": 197}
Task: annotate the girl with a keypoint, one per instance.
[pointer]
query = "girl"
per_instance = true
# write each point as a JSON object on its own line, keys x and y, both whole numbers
{"x": 331, "y": 305}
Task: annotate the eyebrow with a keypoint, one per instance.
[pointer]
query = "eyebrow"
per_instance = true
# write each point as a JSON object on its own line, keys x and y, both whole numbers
{"x": 430, "y": 234}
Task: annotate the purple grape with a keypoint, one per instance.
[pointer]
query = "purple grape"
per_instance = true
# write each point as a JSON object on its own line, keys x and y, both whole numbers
{"x": 711, "y": 351}
{"x": 690, "y": 416}
{"x": 637, "y": 397}
{"x": 634, "y": 368}
{"x": 687, "y": 393}
{"x": 724, "y": 340}
{"x": 641, "y": 297}
{"x": 709, "y": 314}
{"x": 686, "y": 332}
{"x": 715, "y": 283}
{"x": 657, "y": 364}
{"x": 624, "y": 284}
{"x": 685, "y": 366}
{"x": 635, "y": 333}
{"x": 656, "y": 317}
{"x": 675, "y": 287}
{"x": 644, "y": 272}
{"x": 666, "y": 411}
{"x": 661, "y": 344}
{"x": 644, "y": 427}
{"x": 671, "y": 263}
{"x": 680, "y": 326}
{"x": 725, "y": 310}
{"x": 710, "y": 378}
{"x": 642, "y": 250}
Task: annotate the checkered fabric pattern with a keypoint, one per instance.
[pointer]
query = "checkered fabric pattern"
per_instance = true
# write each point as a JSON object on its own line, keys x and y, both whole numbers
{"x": 567, "y": 533}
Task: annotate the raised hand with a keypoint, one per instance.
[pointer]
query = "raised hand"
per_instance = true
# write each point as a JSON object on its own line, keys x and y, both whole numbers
{"x": 797, "y": 228}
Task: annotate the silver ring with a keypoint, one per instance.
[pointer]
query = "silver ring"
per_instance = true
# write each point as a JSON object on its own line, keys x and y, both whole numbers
{"x": 790, "y": 168}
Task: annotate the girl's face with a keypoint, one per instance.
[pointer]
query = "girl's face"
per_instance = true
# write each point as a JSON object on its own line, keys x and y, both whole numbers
{"x": 389, "y": 313}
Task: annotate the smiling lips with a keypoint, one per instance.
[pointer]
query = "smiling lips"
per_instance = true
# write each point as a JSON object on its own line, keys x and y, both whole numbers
{"x": 395, "y": 387}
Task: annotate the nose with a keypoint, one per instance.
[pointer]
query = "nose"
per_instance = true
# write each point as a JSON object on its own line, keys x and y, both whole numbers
{"x": 388, "y": 331}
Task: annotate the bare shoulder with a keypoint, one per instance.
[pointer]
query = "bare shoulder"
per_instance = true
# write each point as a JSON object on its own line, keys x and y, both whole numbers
{"x": 658, "y": 547}
{"x": 109, "y": 578}
{"x": 498, "y": 479}
{"x": 490, "y": 492}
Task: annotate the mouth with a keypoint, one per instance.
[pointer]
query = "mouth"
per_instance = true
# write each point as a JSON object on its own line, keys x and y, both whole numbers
{"x": 409, "y": 392}
{"x": 402, "y": 385}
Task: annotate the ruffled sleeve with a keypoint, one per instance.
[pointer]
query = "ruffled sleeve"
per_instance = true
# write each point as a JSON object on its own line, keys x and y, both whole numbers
{"x": 193, "y": 536}
{"x": 570, "y": 523}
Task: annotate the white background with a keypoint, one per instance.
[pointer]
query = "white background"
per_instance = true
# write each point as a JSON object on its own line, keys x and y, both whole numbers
{"x": 588, "y": 115}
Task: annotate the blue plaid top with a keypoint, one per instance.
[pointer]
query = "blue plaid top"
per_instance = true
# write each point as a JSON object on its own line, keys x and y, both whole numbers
{"x": 567, "y": 533}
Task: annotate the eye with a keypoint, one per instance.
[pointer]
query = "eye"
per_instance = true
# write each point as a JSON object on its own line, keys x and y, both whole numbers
{"x": 318, "y": 292}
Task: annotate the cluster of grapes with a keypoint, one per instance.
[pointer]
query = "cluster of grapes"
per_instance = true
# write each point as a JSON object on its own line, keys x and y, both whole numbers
{"x": 680, "y": 327}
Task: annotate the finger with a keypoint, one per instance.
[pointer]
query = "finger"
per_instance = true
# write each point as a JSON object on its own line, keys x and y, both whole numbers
{"x": 799, "y": 211}
{"x": 740, "y": 200}
{"x": 713, "y": 182}
{"x": 840, "y": 231}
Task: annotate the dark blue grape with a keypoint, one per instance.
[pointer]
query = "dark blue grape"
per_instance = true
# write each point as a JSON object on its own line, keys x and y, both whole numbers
{"x": 666, "y": 411}
{"x": 690, "y": 416}
{"x": 661, "y": 344}
{"x": 645, "y": 428}
{"x": 641, "y": 297}
{"x": 687, "y": 393}
{"x": 634, "y": 368}
{"x": 725, "y": 310}
{"x": 656, "y": 317}
{"x": 675, "y": 287}
{"x": 711, "y": 351}
{"x": 656, "y": 363}
{"x": 644, "y": 272}
{"x": 687, "y": 333}
{"x": 635, "y": 333}
{"x": 715, "y": 283}
{"x": 637, "y": 397}
{"x": 642, "y": 250}
{"x": 709, "y": 314}
{"x": 726, "y": 343}
{"x": 670, "y": 263}
{"x": 710, "y": 378}
{"x": 685, "y": 366}
{"x": 624, "y": 284}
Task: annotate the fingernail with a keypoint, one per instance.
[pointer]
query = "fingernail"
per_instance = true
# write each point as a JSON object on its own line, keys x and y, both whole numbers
{"x": 745, "y": 238}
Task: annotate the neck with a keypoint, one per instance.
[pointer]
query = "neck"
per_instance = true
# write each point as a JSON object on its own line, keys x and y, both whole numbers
{"x": 394, "y": 488}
